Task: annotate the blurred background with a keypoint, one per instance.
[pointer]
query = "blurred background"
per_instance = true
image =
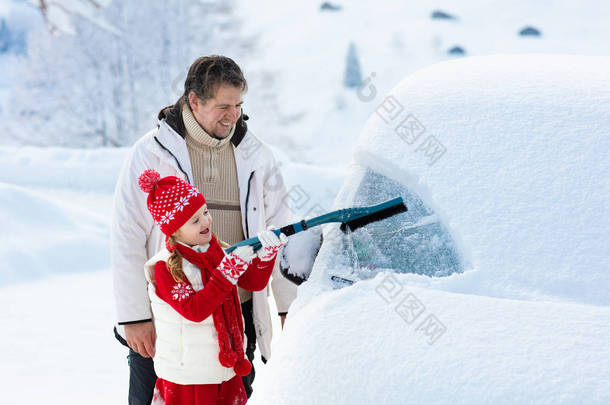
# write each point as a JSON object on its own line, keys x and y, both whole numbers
{"x": 94, "y": 73}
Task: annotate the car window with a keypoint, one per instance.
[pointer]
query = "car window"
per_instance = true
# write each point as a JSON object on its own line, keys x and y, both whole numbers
{"x": 412, "y": 242}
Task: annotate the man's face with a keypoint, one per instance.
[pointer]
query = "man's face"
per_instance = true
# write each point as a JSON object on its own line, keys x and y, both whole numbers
{"x": 217, "y": 115}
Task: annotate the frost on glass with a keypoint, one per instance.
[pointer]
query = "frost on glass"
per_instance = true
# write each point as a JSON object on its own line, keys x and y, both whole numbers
{"x": 411, "y": 242}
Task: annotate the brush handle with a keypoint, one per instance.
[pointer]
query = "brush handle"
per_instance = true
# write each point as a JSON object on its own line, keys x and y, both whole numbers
{"x": 343, "y": 215}
{"x": 286, "y": 230}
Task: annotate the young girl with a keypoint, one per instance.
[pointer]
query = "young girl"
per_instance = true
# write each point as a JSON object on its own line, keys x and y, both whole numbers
{"x": 199, "y": 351}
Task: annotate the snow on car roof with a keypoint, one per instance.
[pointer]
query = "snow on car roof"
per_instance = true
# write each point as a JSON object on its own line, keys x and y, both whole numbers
{"x": 512, "y": 152}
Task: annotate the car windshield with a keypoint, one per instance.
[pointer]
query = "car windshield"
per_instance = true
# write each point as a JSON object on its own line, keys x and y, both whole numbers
{"x": 412, "y": 242}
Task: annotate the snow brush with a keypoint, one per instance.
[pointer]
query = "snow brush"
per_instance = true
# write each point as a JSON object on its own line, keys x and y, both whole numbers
{"x": 350, "y": 218}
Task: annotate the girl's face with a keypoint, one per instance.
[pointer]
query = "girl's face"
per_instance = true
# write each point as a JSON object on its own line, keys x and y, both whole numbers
{"x": 198, "y": 229}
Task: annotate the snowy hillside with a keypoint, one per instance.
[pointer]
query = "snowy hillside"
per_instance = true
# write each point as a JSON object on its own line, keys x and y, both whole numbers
{"x": 55, "y": 201}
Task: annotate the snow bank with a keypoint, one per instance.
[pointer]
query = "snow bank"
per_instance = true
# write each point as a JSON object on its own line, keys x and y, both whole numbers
{"x": 512, "y": 153}
{"x": 43, "y": 234}
{"x": 350, "y": 346}
{"x": 83, "y": 169}
{"x": 55, "y": 206}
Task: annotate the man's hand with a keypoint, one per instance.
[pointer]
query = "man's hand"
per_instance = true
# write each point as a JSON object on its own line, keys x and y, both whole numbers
{"x": 141, "y": 338}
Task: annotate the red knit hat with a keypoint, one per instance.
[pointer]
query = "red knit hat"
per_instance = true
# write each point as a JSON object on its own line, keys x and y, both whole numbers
{"x": 171, "y": 200}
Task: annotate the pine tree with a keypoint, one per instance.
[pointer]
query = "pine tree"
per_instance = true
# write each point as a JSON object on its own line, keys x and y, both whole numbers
{"x": 353, "y": 76}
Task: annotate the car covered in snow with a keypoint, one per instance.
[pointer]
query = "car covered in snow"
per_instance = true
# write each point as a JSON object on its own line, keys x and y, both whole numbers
{"x": 494, "y": 286}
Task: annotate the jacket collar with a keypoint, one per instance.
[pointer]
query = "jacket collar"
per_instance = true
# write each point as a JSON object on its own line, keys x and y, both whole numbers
{"x": 171, "y": 148}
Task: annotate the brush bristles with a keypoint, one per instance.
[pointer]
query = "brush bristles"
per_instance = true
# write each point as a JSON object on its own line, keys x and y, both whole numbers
{"x": 377, "y": 216}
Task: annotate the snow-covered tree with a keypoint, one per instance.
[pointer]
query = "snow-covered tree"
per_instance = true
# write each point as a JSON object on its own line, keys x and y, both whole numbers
{"x": 101, "y": 87}
{"x": 58, "y": 14}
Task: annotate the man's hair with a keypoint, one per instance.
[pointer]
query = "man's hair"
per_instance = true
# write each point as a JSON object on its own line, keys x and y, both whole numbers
{"x": 209, "y": 72}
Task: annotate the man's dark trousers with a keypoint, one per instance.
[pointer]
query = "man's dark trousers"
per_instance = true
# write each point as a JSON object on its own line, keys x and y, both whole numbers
{"x": 142, "y": 377}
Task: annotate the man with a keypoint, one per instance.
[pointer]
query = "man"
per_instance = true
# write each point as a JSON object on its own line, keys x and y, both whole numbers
{"x": 202, "y": 139}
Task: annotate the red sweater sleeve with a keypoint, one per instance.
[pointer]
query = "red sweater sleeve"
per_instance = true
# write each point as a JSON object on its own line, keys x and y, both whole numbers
{"x": 194, "y": 306}
{"x": 256, "y": 277}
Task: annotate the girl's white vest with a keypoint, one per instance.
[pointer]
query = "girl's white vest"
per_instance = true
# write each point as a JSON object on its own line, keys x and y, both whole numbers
{"x": 185, "y": 352}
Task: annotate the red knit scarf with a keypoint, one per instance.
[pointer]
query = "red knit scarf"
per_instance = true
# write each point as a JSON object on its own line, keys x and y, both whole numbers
{"x": 227, "y": 317}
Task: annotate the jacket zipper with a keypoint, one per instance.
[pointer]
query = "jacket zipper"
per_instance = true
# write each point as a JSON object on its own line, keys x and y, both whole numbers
{"x": 175, "y": 158}
{"x": 247, "y": 200}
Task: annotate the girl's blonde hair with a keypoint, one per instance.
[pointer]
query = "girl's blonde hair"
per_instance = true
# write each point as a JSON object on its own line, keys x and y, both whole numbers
{"x": 174, "y": 261}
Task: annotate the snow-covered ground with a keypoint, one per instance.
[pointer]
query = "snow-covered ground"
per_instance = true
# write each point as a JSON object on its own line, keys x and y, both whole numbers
{"x": 57, "y": 344}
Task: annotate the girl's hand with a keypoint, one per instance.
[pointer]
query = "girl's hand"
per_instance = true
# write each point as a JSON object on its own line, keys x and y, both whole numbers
{"x": 235, "y": 264}
{"x": 271, "y": 245}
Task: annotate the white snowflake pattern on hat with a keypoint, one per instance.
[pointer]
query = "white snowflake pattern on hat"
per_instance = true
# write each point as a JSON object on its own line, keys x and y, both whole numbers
{"x": 181, "y": 203}
{"x": 168, "y": 216}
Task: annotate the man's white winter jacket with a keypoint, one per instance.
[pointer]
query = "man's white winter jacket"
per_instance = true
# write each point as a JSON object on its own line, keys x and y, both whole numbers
{"x": 135, "y": 238}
